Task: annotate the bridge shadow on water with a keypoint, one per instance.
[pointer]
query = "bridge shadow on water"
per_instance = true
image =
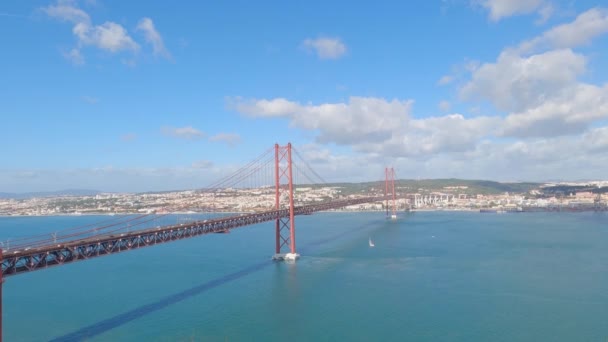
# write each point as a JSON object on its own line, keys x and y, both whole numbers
{"x": 124, "y": 318}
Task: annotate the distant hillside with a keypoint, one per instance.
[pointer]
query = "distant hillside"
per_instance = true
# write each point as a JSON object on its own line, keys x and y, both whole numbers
{"x": 68, "y": 192}
{"x": 556, "y": 190}
{"x": 457, "y": 186}
{"x": 472, "y": 186}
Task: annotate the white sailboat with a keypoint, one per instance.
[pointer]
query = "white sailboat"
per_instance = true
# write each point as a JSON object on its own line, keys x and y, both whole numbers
{"x": 371, "y": 243}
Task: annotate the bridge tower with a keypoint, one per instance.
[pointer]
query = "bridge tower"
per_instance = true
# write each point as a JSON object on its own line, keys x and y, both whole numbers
{"x": 389, "y": 184}
{"x": 285, "y": 229}
{"x": 1, "y": 280}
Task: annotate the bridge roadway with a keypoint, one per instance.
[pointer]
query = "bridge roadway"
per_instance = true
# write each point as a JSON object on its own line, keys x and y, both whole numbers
{"x": 36, "y": 258}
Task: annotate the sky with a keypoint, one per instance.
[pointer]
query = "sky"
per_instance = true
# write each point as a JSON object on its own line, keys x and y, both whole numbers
{"x": 142, "y": 96}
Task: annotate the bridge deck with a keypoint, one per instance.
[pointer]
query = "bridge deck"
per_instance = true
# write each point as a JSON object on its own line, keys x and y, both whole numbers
{"x": 36, "y": 258}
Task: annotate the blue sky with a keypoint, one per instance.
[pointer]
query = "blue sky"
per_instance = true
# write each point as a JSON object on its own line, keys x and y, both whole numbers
{"x": 122, "y": 96}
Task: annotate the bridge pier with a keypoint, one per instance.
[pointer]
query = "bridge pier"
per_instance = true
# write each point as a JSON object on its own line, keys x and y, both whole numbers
{"x": 285, "y": 228}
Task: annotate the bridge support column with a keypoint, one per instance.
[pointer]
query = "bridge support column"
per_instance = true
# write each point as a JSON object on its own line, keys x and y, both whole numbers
{"x": 1, "y": 285}
{"x": 285, "y": 233}
{"x": 389, "y": 183}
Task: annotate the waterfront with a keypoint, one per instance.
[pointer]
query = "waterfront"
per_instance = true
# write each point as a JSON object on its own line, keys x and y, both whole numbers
{"x": 434, "y": 276}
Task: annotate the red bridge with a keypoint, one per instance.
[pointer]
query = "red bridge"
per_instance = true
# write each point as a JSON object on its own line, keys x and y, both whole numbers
{"x": 83, "y": 243}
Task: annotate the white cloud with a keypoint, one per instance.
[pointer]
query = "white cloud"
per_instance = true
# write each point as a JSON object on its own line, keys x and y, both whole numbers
{"x": 375, "y": 125}
{"x": 361, "y": 119}
{"x": 515, "y": 83}
{"x": 187, "y": 132}
{"x": 74, "y": 56}
{"x": 531, "y": 160}
{"x": 596, "y": 140}
{"x": 325, "y": 47}
{"x": 537, "y": 82}
{"x": 505, "y": 8}
{"x": 544, "y": 13}
{"x": 546, "y": 113}
{"x": 64, "y": 11}
{"x": 444, "y": 106}
{"x": 229, "y": 138}
{"x": 264, "y": 108}
{"x": 146, "y": 25}
{"x": 581, "y": 31}
{"x": 444, "y": 80}
{"x": 569, "y": 113}
{"x": 107, "y": 36}
{"x": 458, "y": 72}
{"x": 426, "y": 137}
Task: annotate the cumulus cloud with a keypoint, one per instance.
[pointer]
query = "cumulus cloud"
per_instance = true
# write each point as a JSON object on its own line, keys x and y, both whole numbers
{"x": 505, "y": 8}
{"x": 596, "y": 140}
{"x": 544, "y": 113}
{"x": 515, "y": 83}
{"x": 263, "y": 108}
{"x": 146, "y": 25}
{"x": 531, "y": 160}
{"x": 325, "y": 47}
{"x": 504, "y": 160}
{"x": 426, "y": 137}
{"x": 537, "y": 82}
{"x": 65, "y": 11}
{"x": 229, "y": 138}
{"x": 375, "y": 125}
{"x": 581, "y": 31}
{"x": 569, "y": 113}
{"x": 444, "y": 106}
{"x": 109, "y": 36}
{"x": 187, "y": 132}
{"x": 361, "y": 119}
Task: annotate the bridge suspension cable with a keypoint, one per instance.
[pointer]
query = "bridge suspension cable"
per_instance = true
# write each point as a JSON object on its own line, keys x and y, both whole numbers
{"x": 308, "y": 168}
{"x": 117, "y": 224}
{"x": 258, "y": 173}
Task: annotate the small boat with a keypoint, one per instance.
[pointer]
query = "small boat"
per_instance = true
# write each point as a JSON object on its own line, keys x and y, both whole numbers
{"x": 371, "y": 243}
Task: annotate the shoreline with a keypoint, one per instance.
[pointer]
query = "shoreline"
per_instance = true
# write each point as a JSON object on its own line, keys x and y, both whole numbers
{"x": 222, "y": 212}
{"x": 322, "y": 211}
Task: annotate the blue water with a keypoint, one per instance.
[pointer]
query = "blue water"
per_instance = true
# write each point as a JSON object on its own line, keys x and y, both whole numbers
{"x": 433, "y": 276}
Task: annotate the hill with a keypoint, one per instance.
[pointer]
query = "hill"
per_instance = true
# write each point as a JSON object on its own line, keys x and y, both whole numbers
{"x": 451, "y": 185}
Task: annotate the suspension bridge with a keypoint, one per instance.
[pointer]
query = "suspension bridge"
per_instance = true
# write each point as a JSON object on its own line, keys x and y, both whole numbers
{"x": 278, "y": 171}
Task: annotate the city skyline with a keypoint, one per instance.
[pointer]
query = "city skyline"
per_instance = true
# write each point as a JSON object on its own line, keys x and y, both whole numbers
{"x": 115, "y": 96}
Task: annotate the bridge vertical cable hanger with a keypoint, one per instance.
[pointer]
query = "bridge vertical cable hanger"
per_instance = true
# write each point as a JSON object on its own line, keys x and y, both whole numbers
{"x": 285, "y": 233}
